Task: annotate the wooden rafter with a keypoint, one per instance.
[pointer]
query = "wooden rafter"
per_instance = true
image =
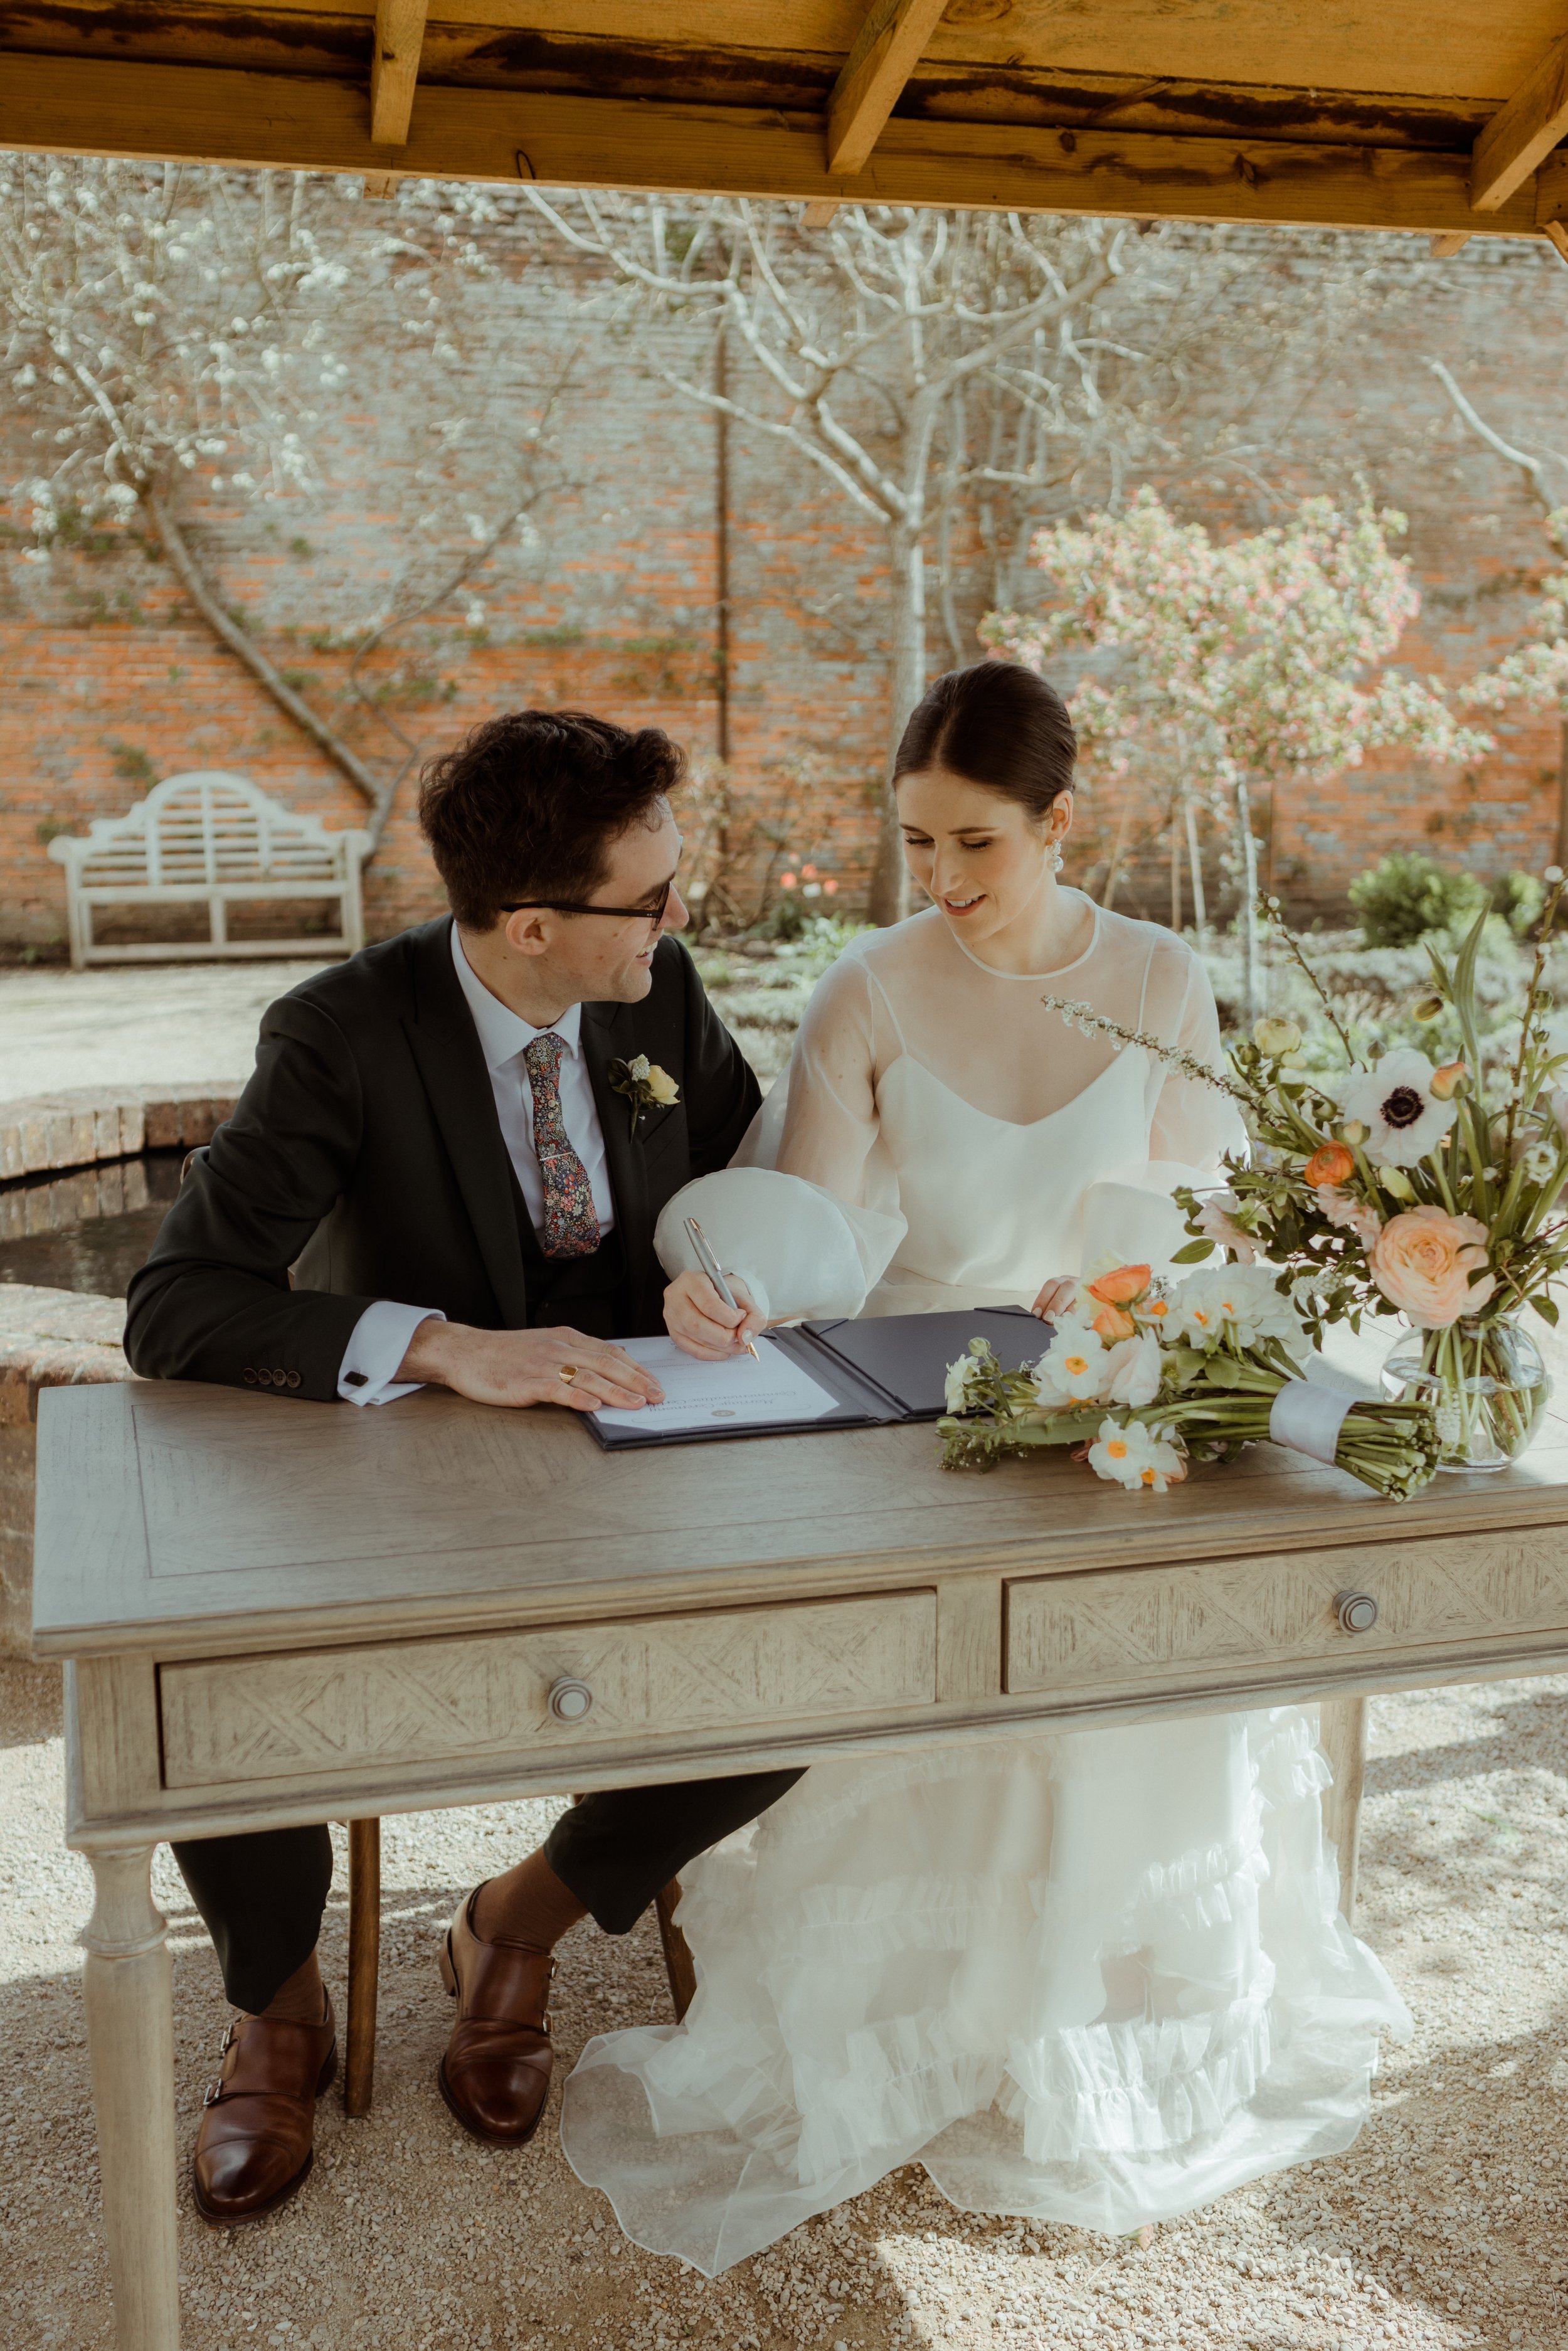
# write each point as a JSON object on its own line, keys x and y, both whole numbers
{"x": 1522, "y": 134}
{"x": 394, "y": 69}
{"x": 292, "y": 121}
{"x": 885, "y": 56}
{"x": 1450, "y": 241}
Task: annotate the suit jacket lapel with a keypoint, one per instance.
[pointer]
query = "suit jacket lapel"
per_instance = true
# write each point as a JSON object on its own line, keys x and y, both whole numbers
{"x": 627, "y": 1169}
{"x": 445, "y": 1046}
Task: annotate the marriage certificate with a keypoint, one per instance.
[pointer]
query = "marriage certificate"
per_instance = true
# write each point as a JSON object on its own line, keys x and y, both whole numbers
{"x": 697, "y": 1395}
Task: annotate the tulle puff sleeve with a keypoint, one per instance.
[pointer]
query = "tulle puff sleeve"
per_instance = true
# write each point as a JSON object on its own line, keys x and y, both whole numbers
{"x": 806, "y": 1216}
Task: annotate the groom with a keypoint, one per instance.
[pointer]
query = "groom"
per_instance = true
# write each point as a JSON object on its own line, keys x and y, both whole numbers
{"x": 431, "y": 1179}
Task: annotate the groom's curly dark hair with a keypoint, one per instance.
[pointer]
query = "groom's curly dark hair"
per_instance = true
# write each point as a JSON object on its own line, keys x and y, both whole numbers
{"x": 528, "y": 804}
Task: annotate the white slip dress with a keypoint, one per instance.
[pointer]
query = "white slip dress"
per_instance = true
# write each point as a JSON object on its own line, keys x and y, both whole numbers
{"x": 1097, "y": 1977}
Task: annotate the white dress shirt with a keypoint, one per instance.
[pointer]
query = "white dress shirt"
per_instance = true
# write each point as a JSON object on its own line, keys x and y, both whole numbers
{"x": 380, "y": 1339}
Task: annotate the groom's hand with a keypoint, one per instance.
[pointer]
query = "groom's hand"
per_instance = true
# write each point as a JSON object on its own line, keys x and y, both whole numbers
{"x": 697, "y": 1318}
{"x": 515, "y": 1367}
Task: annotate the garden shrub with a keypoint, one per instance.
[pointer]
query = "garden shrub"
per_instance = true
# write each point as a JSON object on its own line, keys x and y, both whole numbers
{"x": 1409, "y": 897}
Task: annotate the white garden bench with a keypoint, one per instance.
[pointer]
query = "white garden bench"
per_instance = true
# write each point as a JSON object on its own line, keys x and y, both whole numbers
{"x": 210, "y": 839}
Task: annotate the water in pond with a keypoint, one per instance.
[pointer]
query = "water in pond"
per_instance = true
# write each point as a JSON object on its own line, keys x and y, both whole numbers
{"x": 89, "y": 1230}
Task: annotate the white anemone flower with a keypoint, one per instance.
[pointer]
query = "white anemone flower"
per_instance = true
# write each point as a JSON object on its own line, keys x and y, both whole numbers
{"x": 1135, "y": 1456}
{"x": 1395, "y": 1103}
{"x": 1074, "y": 1368}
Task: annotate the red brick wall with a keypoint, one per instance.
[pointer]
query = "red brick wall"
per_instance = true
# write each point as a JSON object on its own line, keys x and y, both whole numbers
{"x": 109, "y": 680}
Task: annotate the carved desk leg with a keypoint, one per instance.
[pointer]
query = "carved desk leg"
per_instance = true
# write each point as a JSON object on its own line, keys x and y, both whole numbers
{"x": 1342, "y": 1732}
{"x": 130, "y": 2035}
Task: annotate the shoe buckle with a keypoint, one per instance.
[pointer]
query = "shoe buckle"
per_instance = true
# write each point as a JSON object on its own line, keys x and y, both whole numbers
{"x": 212, "y": 2095}
{"x": 228, "y": 2039}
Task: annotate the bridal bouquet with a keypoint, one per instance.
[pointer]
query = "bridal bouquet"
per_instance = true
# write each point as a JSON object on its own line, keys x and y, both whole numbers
{"x": 1148, "y": 1374}
{"x": 1436, "y": 1191}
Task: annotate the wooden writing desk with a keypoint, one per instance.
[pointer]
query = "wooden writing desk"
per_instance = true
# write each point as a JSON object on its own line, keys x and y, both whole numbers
{"x": 278, "y": 1612}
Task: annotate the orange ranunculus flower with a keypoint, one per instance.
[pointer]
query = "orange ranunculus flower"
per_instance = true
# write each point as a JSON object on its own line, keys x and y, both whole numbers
{"x": 1121, "y": 1285}
{"x": 1331, "y": 1163}
{"x": 1114, "y": 1322}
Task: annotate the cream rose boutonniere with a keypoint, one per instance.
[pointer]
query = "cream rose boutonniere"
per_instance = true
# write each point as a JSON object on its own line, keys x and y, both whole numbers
{"x": 644, "y": 1084}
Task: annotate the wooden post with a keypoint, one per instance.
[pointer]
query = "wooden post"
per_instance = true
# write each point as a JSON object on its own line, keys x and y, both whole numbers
{"x": 677, "y": 1954}
{"x": 129, "y": 1992}
{"x": 364, "y": 1961}
{"x": 1342, "y": 1730}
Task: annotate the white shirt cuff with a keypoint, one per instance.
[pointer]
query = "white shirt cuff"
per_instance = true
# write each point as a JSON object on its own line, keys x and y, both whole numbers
{"x": 379, "y": 1341}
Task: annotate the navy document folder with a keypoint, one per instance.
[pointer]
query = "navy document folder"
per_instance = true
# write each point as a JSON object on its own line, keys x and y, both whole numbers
{"x": 837, "y": 1374}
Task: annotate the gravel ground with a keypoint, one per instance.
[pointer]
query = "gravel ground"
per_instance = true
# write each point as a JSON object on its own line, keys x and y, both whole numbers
{"x": 169, "y": 1024}
{"x": 1444, "y": 2225}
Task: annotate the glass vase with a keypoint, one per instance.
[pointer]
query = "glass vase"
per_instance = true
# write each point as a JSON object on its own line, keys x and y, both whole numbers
{"x": 1487, "y": 1382}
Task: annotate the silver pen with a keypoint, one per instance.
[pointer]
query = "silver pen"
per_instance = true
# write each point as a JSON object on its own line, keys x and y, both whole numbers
{"x": 710, "y": 1266}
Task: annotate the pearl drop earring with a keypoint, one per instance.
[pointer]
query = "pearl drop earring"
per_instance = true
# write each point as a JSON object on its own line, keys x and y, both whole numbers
{"x": 1056, "y": 860}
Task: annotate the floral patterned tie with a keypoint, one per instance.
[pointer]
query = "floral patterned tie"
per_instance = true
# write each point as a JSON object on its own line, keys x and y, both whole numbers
{"x": 571, "y": 1224}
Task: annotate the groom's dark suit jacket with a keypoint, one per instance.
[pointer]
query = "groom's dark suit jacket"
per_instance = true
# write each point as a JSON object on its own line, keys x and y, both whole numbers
{"x": 366, "y": 1153}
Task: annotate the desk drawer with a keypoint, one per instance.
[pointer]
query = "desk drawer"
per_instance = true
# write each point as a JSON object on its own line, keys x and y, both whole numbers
{"x": 256, "y": 1718}
{"x": 1126, "y": 1627}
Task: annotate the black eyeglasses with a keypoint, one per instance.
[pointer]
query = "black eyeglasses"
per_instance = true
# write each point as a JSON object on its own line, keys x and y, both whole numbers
{"x": 653, "y": 915}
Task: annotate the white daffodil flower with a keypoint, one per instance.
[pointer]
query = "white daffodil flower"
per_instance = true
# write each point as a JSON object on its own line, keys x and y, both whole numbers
{"x": 1135, "y": 1456}
{"x": 962, "y": 1377}
{"x": 1234, "y": 1301}
{"x": 1075, "y": 1367}
{"x": 1403, "y": 1117}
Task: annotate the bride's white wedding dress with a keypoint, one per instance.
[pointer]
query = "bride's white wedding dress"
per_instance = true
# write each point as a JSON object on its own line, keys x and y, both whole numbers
{"x": 1096, "y": 1977}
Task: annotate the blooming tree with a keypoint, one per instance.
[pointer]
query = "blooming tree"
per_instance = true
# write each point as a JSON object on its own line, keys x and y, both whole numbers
{"x": 1228, "y": 670}
{"x": 165, "y": 324}
{"x": 946, "y": 369}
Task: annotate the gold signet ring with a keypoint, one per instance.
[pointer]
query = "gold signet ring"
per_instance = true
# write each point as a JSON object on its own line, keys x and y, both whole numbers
{"x": 569, "y": 1373}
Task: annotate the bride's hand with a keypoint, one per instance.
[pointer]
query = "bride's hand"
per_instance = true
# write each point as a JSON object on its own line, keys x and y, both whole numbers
{"x": 1056, "y": 1299}
{"x": 697, "y": 1318}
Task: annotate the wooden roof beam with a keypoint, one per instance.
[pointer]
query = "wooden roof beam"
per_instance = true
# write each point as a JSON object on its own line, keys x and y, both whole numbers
{"x": 1522, "y": 134}
{"x": 886, "y": 52}
{"x": 394, "y": 69}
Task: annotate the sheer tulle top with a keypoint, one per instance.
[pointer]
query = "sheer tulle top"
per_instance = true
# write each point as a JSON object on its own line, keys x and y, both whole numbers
{"x": 927, "y": 1085}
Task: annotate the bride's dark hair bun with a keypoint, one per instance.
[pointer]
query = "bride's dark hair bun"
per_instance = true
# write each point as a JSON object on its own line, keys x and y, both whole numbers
{"x": 995, "y": 724}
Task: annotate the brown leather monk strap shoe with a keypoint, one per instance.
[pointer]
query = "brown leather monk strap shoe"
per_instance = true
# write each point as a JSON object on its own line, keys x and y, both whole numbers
{"x": 495, "y": 2073}
{"x": 254, "y": 2145}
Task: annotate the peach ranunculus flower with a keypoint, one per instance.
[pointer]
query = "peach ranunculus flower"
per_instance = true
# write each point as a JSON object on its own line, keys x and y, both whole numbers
{"x": 1422, "y": 1262}
{"x": 1113, "y": 1322}
{"x": 1331, "y": 1163}
{"x": 1121, "y": 1285}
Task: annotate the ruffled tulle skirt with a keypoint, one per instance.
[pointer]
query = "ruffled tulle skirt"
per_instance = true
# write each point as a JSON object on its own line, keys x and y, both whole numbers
{"x": 1097, "y": 1977}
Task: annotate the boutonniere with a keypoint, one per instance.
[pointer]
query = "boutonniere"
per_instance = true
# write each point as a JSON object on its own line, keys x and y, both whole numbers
{"x": 644, "y": 1084}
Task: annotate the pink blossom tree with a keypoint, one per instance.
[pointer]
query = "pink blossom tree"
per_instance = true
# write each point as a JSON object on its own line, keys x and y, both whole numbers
{"x": 1225, "y": 672}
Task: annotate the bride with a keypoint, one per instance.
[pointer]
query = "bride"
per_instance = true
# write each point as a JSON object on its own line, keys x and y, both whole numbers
{"x": 1097, "y": 1977}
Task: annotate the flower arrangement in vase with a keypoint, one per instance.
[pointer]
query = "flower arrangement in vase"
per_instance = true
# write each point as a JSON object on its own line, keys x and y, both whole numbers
{"x": 1435, "y": 1191}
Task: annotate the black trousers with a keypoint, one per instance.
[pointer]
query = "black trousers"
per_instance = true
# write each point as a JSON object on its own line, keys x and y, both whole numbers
{"x": 262, "y": 1896}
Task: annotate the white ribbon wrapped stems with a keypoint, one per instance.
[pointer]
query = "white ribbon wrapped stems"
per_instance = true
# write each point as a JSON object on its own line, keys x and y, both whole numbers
{"x": 801, "y": 1252}
{"x": 1309, "y": 1419}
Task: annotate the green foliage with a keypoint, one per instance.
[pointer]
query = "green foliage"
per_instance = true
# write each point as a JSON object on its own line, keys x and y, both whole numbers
{"x": 1409, "y": 897}
{"x": 134, "y": 766}
{"x": 51, "y": 829}
{"x": 1519, "y": 898}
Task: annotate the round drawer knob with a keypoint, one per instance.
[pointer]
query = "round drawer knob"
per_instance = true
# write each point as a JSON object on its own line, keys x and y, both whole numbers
{"x": 570, "y": 1701}
{"x": 1357, "y": 1611}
